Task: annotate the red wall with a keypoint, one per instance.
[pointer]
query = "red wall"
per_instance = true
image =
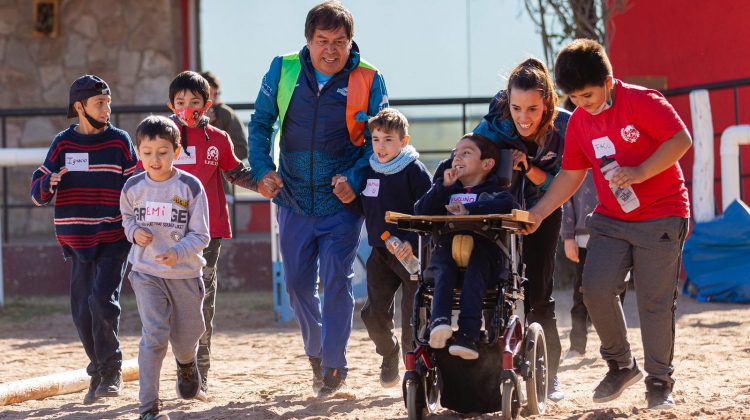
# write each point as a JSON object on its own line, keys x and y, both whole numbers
{"x": 690, "y": 42}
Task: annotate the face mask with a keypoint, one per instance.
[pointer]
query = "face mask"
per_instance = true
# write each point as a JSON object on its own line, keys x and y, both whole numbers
{"x": 606, "y": 104}
{"x": 94, "y": 123}
{"x": 189, "y": 115}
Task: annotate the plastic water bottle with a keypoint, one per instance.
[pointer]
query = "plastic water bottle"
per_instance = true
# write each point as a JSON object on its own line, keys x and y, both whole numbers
{"x": 410, "y": 263}
{"x": 625, "y": 196}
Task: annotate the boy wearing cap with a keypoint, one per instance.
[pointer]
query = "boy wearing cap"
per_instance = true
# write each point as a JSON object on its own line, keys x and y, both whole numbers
{"x": 86, "y": 167}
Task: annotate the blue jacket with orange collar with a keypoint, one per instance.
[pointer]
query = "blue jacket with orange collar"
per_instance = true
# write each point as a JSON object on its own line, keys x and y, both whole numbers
{"x": 318, "y": 130}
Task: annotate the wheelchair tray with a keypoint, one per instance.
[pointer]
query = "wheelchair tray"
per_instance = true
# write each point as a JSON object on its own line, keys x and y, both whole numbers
{"x": 512, "y": 222}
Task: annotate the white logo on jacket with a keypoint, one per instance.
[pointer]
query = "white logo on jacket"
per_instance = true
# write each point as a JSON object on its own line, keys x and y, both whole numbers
{"x": 630, "y": 134}
{"x": 342, "y": 91}
{"x": 212, "y": 153}
{"x": 548, "y": 156}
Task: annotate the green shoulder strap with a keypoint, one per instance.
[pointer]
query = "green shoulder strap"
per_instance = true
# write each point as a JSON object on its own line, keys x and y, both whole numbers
{"x": 290, "y": 68}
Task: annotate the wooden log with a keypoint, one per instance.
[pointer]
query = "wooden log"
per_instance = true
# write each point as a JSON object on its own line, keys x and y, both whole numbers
{"x": 56, "y": 384}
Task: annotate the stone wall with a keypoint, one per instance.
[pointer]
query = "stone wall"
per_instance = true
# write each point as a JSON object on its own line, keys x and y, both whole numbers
{"x": 134, "y": 45}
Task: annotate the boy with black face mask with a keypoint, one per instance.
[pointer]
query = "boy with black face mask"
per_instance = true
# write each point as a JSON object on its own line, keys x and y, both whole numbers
{"x": 86, "y": 167}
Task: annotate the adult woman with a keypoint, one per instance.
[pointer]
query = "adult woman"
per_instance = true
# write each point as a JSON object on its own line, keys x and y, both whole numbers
{"x": 525, "y": 118}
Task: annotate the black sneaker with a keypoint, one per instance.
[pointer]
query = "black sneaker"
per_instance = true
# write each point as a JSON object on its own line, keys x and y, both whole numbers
{"x": 90, "y": 396}
{"x": 554, "y": 392}
{"x": 389, "y": 376}
{"x": 110, "y": 385}
{"x": 659, "y": 394}
{"x": 464, "y": 347}
{"x": 153, "y": 413}
{"x": 317, "y": 373}
{"x": 188, "y": 380}
{"x": 333, "y": 381}
{"x": 615, "y": 381}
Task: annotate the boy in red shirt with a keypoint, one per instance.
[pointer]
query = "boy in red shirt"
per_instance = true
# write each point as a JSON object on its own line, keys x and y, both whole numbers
{"x": 642, "y": 217}
{"x": 207, "y": 153}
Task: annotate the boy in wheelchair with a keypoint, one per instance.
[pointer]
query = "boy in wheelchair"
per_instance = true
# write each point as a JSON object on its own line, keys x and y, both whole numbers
{"x": 468, "y": 187}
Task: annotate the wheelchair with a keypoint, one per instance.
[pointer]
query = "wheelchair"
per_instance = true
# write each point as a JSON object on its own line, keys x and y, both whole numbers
{"x": 509, "y": 352}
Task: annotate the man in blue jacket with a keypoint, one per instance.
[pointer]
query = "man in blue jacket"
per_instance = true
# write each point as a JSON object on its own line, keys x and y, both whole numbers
{"x": 322, "y": 97}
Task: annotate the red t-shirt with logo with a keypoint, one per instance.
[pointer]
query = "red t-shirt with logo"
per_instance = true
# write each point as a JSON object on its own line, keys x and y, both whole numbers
{"x": 638, "y": 122}
{"x": 206, "y": 161}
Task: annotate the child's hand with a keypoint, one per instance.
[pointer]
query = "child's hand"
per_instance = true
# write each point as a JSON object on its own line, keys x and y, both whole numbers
{"x": 571, "y": 250}
{"x": 404, "y": 251}
{"x": 625, "y": 176}
{"x": 142, "y": 237}
{"x": 55, "y": 178}
{"x": 342, "y": 189}
{"x": 450, "y": 176}
{"x": 168, "y": 258}
{"x": 457, "y": 209}
{"x": 270, "y": 185}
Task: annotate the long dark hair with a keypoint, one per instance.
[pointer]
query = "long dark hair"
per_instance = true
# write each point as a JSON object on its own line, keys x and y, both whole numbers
{"x": 532, "y": 74}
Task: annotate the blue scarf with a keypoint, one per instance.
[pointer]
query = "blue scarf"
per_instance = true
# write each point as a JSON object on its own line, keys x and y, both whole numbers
{"x": 408, "y": 155}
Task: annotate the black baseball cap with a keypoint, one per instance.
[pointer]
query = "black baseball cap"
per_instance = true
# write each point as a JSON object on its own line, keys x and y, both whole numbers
{"x": 83, "y": 88}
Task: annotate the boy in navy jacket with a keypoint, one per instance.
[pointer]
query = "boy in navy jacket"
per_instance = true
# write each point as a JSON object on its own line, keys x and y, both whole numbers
{"x": 395, "y": 180}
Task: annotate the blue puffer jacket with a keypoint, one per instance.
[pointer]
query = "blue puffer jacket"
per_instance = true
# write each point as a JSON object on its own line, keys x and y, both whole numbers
{"x": 547, "y": 158}
{"x": 315, "y": 143}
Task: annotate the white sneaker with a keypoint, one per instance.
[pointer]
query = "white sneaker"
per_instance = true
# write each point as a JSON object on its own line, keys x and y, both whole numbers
{"x": 440, "y": 335}
{"x": 572, "y": 354}
{"x": 465, "y": 353}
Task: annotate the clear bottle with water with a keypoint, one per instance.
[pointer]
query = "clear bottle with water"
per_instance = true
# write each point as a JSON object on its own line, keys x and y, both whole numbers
{"x": 392, "y": 243}
{"x": 625, "y": 196}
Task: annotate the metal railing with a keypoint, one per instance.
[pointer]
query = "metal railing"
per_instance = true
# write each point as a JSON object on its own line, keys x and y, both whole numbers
{"x": 119, "y": 111}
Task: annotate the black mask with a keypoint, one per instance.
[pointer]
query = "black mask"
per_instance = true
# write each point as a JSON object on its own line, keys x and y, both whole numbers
{"x": 94, "y": 123}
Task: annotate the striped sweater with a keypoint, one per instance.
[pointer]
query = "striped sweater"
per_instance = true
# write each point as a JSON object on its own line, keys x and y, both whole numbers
{"x": 88, "y": 222}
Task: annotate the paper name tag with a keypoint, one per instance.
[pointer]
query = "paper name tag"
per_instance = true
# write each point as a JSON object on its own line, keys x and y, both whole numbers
{"x": 603, "y": 146}
{"x": 77, "y": 162}
{"x": 184, "y": 159}
{"x": 372, "y": 188}
{"x": 158, "y": 212}
{"x": 463, "y": 198}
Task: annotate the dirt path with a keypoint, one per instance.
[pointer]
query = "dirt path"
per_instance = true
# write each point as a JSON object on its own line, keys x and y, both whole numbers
{"x": 260, "y": 372}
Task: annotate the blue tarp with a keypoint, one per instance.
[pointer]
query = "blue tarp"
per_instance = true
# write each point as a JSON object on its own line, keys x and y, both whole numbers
{"x": 717, "y": 257}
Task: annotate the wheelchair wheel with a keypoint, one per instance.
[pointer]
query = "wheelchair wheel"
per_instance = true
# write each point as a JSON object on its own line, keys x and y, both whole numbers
{"x": 432, "y": 385}
{"x": 414, "y": 396}
{"x": 536, "y": 378}
{"x": 511, "y": 403}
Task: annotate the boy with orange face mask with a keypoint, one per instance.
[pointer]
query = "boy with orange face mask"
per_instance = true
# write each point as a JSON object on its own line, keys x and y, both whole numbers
{"x": 207, "y": 153}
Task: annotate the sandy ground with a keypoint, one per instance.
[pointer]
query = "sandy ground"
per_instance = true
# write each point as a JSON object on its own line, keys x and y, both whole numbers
{"x": 260, "y": 371}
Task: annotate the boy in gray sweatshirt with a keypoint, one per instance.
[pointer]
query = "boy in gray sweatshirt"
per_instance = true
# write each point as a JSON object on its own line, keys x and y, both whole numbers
{"x": 165, "y": 216}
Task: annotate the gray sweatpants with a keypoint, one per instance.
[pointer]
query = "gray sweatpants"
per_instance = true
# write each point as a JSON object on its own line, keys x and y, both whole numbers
{"x": 653, "y": 249}
{"x": 171, "y": 311}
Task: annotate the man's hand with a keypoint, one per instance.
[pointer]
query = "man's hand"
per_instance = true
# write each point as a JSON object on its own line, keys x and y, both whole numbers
{"x": 55, "y": 178}
{"x": 571, "y": 250}
{"x": 457, "y": 209}
{"x": 626, "y": 176}
{"x": 342, "y": 189}
{"x": 404, "y": 251}
{"x": 142, "y": 237}
{"x": 519, "y": 159}
{"x": 270, "y": 185}
{"x": 450, "y": 176}
{"x": 534, "y": 221}
{"x": 168, "y": 258}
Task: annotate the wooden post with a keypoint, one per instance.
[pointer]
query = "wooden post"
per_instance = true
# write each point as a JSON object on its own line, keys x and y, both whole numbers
{"x": 56, "y": 384}
{"x": 703, "y": 156}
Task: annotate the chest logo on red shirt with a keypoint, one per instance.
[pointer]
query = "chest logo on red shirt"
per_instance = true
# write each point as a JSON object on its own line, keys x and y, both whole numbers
{"x": 212, "y": 156}
{"x": 212, "y": 153}
{"x": 630, "y": 134}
